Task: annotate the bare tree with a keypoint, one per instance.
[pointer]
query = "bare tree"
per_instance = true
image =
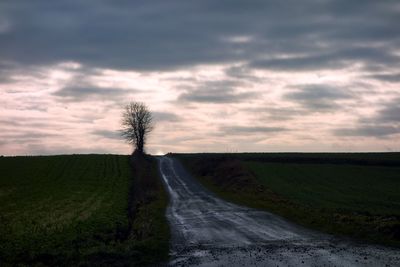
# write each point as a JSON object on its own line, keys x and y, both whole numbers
{"x": 137, "y": 123}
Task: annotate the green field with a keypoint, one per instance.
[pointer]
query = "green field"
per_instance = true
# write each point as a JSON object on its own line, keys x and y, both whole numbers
{"x": 364, "y": 189}
{"x": 63, "y": 210}
{"x": 350, "y": 194}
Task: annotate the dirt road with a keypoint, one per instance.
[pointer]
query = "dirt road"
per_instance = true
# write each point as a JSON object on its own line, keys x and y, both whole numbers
{"x": 208, "y": 231}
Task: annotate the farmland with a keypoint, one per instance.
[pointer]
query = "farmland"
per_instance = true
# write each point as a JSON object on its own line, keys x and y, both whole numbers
{"x": 355, "y": 195}
{"x": 78, "y": 209}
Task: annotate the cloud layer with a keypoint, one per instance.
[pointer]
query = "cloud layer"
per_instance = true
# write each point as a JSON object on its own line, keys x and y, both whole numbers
{"x": 218, "y": 75}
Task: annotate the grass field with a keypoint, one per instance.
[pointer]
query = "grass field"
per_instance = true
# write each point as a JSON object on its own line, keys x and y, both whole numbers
{"x": 353, "y": 188}
{"x": 351, "y": 194}
{"x": 63, "y": 210}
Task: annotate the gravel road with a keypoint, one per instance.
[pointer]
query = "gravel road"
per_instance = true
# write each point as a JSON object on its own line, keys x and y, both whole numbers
{"x": 208, "y": 231}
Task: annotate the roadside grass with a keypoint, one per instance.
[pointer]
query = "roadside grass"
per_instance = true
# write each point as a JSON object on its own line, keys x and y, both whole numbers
{"x": 149, "y": 229}
{"x": 335, "y": 195}
{"x": 74, "y": 210}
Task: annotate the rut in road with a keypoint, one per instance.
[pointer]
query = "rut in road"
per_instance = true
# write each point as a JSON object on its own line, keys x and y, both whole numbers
{"x": 209, "y": 231}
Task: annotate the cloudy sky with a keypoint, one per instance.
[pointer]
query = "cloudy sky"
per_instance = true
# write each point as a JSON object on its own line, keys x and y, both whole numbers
{"x": 223, "y": 76}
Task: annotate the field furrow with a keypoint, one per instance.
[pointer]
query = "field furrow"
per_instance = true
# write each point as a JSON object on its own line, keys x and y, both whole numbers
{"x": 49, "y": 203}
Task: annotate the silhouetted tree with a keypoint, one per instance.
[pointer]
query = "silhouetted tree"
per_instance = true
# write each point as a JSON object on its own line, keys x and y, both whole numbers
{"x": 137, "y": 123}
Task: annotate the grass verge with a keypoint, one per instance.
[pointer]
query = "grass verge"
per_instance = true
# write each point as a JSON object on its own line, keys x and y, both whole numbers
{"x": 337, "y": 196}
{"x": 77, "y": 210}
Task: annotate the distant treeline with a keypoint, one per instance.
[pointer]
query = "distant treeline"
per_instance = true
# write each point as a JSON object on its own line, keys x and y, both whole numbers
{"x": 376, "y": 159}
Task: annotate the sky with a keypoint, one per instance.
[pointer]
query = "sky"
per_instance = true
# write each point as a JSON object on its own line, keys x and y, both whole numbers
{"x": 218, "y": 76}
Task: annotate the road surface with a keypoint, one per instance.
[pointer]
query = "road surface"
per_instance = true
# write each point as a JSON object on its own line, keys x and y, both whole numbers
{"x": 208, "y": 231}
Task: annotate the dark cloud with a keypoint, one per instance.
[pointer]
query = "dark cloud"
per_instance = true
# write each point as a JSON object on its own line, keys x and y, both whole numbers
{"x": 282, "y": 113}
{"x": 165, "y": 116}
{"x": 241, "y": 72}
{"x": 385, "y": 122}
{"x": 223, "y": 91}
{"x": 242, "y": 130}
{"x": 156, "y": 35}
{"x": 368, "y": 131}
{"x": 270, "y": 111}
{"x": 12, "y": 71}
{"x": 330, "y": 60}
{"x": 391, "y": 113}
{"x": 318, "y": 97}
{"x": 299, "y": 63}
{"x": 27, "y": 137}
{"x": 22, "y": 122}
{"x": 215, "y": 96}
{"x": 388, "y": 114}
{"x": 394, "y": 78}
{"x": 108, "y": 134}
{"x": 90, "y": 92}
{"x": 5, "y": 73}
